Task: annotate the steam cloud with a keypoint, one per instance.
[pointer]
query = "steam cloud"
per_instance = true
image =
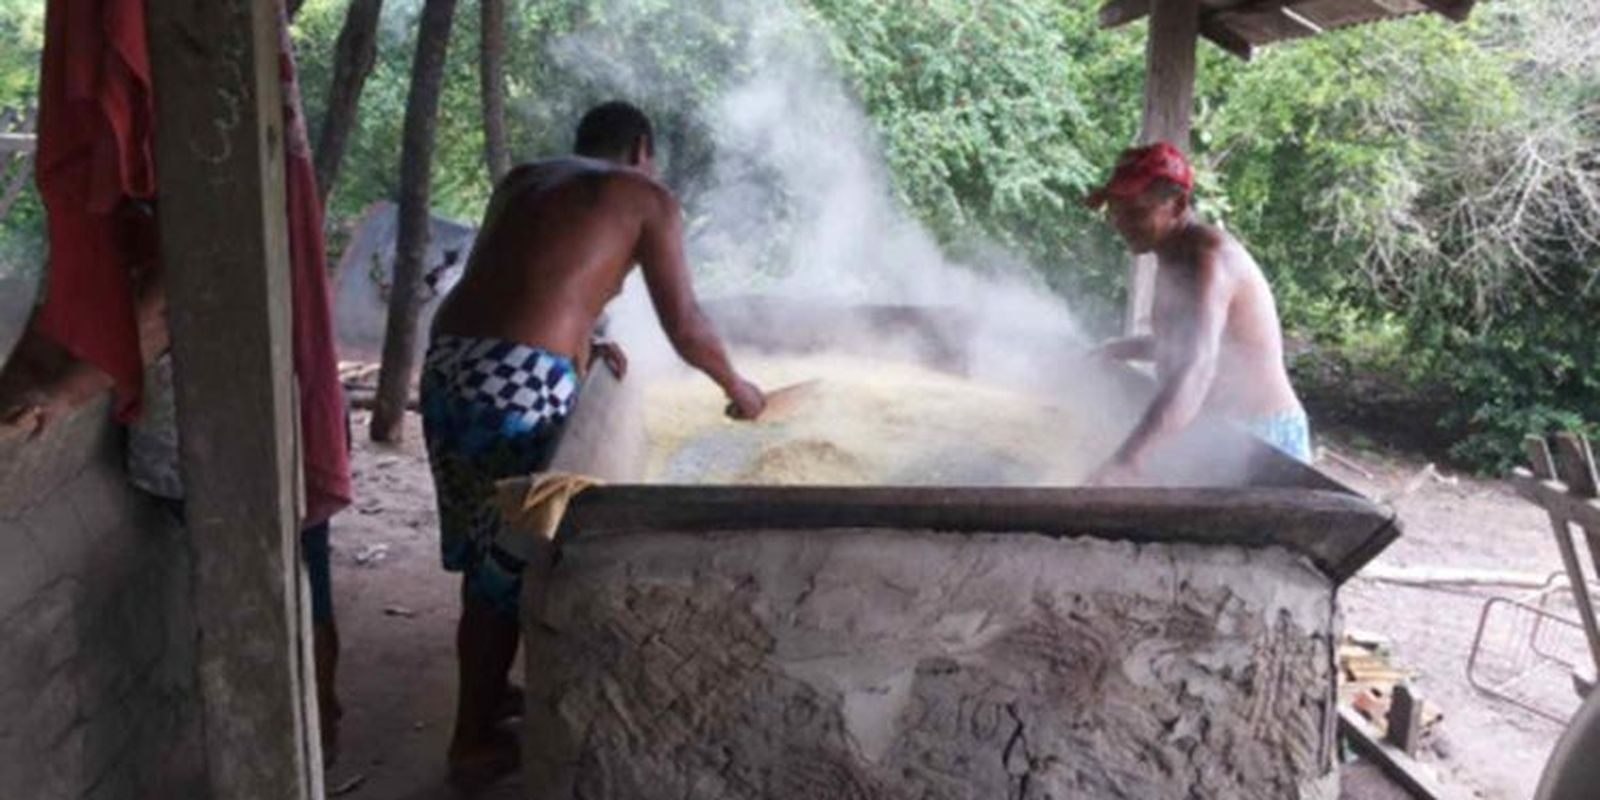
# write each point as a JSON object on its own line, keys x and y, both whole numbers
{"x": 797, "y": 202}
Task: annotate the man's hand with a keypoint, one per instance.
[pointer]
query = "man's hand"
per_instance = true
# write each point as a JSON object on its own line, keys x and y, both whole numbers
{"x": 745, "y": 400}
{"x": 610, "y": 352}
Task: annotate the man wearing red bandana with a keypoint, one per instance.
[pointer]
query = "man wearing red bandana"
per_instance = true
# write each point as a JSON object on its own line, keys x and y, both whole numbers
{"x": 1215, "y": 338}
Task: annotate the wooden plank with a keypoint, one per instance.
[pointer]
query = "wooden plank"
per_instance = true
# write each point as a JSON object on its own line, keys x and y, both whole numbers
{"x": 1554, "y": 497}
{"x": 17, "y": 143}
{"x": 1338, "y": 532}
{"x": 1557, "y": 502}
{"x": 1575, "y": 465}
{"x": 224, "y": 242}
{"x": 1454, "y": 576}
{"x": 1311, "y": 28}
{"x": 1540, "y": 460}
{"x": 1404, "y": 729}
{"x": 1417, "y": 780}
{"x": 1168, "y": 107}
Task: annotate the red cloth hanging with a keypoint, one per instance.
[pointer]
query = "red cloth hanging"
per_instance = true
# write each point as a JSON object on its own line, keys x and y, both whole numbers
{"x": 95, "y": 155}
{"x": 322, "y": 414}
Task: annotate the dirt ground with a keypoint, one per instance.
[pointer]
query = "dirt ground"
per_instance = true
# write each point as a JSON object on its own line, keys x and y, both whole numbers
{"x": 1490, "y": 748}
{"x": 397, "y": 613}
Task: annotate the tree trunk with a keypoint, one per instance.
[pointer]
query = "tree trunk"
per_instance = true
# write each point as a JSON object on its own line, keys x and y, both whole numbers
{"x": 492, "y": 81}
{"x": 354, "y": 55}
{"x": 411, "y": 247}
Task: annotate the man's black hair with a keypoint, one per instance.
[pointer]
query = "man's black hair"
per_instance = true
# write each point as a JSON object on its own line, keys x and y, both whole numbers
{"x": 610, "y": 130}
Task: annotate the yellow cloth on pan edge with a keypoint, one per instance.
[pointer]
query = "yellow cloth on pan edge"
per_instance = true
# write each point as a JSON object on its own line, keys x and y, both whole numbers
{"x": 537, "y": 503}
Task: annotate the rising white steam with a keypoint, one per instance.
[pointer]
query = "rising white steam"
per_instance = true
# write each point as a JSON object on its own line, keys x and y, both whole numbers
{"x": 798, "y": 201}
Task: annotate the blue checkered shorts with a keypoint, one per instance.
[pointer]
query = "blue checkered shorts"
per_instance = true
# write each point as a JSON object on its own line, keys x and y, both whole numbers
{"x": 1289, "y": 431}
{"x": 491, "y": 410}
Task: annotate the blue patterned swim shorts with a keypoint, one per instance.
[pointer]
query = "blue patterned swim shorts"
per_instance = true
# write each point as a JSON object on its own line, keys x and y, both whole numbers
{"x": 1288, "y": 431}
{"x": 491, "y": 410}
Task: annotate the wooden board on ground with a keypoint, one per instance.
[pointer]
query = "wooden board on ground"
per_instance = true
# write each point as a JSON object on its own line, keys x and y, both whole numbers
{"x": 1414, "y": 777}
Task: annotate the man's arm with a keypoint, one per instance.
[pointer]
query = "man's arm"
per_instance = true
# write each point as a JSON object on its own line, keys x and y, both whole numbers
{"x": 1129, "y": 348}
{"x": 1183, "y": 391}
{"x": 660, "y": 255}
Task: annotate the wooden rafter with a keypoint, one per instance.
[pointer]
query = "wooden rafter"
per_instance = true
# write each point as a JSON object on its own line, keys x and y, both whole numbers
{"x": 1226, "y": 39}
{"x": 1456, "y": 10}
{"x": 1116, "y": 13}
{"x": 1215, "y": 18}
{"x": 1300, "y": 19}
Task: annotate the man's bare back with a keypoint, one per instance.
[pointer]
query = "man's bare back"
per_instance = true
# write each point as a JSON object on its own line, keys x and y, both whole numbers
{"x": 1250, "y": 378}
{"x": 559, "y": 237}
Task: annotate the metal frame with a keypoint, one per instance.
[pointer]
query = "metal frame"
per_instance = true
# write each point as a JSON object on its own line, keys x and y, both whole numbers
{"x": 1531, "y": 648}
{"x": 1562, "y": 480}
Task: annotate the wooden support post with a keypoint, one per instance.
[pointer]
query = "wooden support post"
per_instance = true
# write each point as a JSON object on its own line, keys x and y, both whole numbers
{"x": 219, "y": 144}
{"x": 1168, "y": 105}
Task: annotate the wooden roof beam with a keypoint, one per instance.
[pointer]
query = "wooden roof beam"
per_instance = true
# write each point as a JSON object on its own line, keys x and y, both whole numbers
{"x": 1297, "y": 18}
{"x": 1456, "y": 10}
{"x": 1116, "y": 13}
{"x": 1220, "y": 36}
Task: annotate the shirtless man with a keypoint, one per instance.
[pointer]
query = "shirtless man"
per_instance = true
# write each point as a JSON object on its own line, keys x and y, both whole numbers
{"x": 502, "y": 373}
{"x": 1216, "y": 343}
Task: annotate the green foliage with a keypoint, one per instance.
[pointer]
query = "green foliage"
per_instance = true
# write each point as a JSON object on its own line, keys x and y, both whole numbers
{"x": 371, "y": 169}
{"x": 22, "y": 229}
{"x": 1439, "y": 176}
{"x": 21, "y": 41}
{"x": 986, "y": 112}
{"x": 1425, "y": 197}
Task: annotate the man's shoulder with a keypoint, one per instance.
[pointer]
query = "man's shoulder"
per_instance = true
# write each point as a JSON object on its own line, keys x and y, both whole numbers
{"x": 640, "y": 191}
{"x": 1212, "y": 245}
{"x": 1206, "y": 236}
{"x": 603, "y": 180}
